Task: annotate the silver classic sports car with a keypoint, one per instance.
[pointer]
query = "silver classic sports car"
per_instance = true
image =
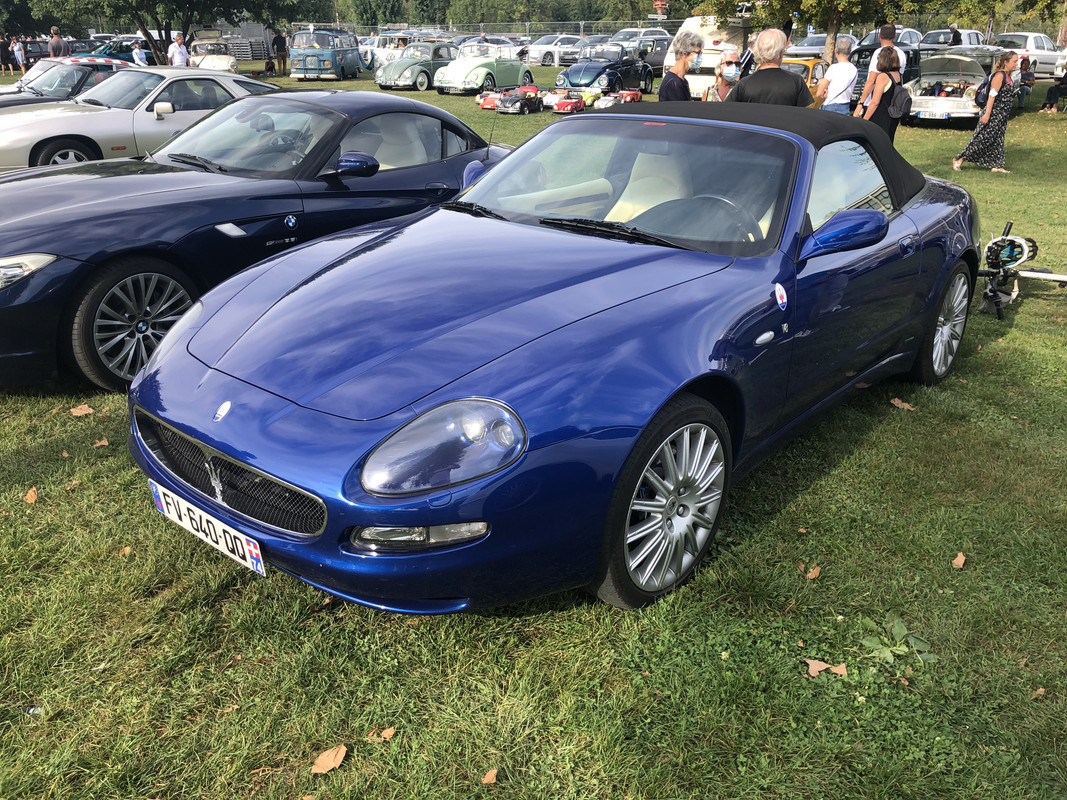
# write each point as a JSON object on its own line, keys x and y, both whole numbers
{"x": 132, "y": 112}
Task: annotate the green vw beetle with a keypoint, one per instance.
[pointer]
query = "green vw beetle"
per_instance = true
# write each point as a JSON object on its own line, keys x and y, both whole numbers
{"x": 482, "y": 66}
{"x": 416, "y": 66}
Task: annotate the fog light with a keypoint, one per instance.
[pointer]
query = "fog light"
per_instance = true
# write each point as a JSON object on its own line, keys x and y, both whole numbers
{"x": 406, "y": 538}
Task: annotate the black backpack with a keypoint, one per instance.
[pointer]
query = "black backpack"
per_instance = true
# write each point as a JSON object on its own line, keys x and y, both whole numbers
{"x": 900, "y": 102}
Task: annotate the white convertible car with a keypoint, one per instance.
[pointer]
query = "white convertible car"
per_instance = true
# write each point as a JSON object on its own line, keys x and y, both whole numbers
{"x": 129, "y": 114}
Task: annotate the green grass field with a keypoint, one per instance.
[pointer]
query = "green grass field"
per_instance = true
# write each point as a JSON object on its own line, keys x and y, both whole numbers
{"x": 137, "y": 663}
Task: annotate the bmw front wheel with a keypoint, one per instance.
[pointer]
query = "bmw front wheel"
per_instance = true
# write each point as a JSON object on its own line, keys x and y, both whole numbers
{"x": 122, "y": 313}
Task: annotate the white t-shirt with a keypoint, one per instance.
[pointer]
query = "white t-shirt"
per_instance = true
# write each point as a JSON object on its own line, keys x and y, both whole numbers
{"x": 842, "y": 77}
{"x": 177, "y": 55}
{"x": 874, "y": 60}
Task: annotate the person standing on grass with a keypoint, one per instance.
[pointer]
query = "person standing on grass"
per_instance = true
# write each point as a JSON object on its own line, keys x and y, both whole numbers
{"x": 687, "y": 47}
{"x": 770, "y": 83}
{"x": 886, "y": 36}
{"x": 177, "y": 55}
{"x": 57, "y": 45}
{"x": 835, "y": 87}
{"x": 986, "y": 148}
{"x": 281, "y": 50}
{"x": 18, "y": 52}
{"x": 886, "y": 85}
{"x": 5, "y": 56}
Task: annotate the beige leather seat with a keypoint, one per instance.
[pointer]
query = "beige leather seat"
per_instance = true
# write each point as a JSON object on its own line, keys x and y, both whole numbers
{"x": 654, "y": 179}
{"x": 401, "y": 145}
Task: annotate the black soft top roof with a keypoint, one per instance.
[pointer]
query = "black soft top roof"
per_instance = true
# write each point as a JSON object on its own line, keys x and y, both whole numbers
{"x": 818, "y": 127}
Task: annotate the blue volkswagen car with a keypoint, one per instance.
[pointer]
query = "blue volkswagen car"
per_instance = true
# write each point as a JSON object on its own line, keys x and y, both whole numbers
{"x": 434, "y": 434}
{"x": 98, "y": 260}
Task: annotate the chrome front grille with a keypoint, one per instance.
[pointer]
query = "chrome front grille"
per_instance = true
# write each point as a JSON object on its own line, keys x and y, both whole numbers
{"x": 245, "y": 490}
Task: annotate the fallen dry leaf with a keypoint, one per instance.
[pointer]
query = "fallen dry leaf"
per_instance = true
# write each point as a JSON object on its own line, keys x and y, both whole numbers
{"x": 490, "y": 777}
{"x": 901, "y": 404}
{"x": 229, "y": 709}
{"x": 813, "y": 573}
{"x": 802, "y": 530}
{"x": 72, "y": 484}
{"x": 329, "y": 759}
{"x": 65, "y": 454}
{"x": 125, "y": 551}
{"x": 31, "y": 495}
{"x": 81, "y": 411}
{"x": 957, "y": 562}
{"x": 1039, "y": 693}
{"x": 387, "y": 734}
{"x": 815, "y": 667}
{"x": 979, "y": 347}
{"x": 863, "y": 386}
{"x": 101, "y": 443}
{"x": 57, "y": 409}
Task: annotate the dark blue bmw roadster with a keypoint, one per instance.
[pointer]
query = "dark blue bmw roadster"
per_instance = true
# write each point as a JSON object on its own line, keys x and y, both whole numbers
{"x": 98, "y": 260}
{"x": 685, "y": 286}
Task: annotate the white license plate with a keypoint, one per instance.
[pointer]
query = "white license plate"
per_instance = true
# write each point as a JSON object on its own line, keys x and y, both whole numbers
{"x": 933, "y": 115}
{"x": 242, "y": 549}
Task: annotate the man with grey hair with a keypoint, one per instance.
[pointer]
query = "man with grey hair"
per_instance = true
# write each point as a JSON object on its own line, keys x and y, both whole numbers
{"x": 687, "y": 47}
{"x": 836, "y": 84}
{"x": 770, "y": 83}
{"x": 957, "y": 37}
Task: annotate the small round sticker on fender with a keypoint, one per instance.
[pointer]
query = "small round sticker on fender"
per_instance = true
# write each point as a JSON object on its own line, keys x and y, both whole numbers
{"x": 780, "y": 296}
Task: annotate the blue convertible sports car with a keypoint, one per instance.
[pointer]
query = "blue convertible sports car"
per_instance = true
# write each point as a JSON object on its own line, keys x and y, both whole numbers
{"x": 98, "y": 260}
{"x": 686, "y": 285}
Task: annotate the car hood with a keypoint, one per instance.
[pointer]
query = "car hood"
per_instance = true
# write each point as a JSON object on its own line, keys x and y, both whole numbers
{"x": 952, "y": 68}
{"x": 585, "y": 72}
{"x": 397, "y": 67}
{"x": 461, "y": 66}
{"x": 51, "y": 200}
{"x": 363, "y": 330}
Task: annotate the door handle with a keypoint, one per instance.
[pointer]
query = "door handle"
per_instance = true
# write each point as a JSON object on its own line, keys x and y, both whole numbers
{"x": 438, "y": 188}
{"x": 907, "y": 245}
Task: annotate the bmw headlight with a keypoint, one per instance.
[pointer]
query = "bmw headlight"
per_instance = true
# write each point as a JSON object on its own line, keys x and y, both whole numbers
{"x": 454, "y": 443}
{"x": 15, "y": 268}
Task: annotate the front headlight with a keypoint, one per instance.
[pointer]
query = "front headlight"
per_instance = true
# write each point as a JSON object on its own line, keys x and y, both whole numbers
{"x": 15, "y": 268}
{"x": 970, "y": 92}
{"x": 407, "y": 76}
{"x": 560, "y": 80}
{"x": 327, "y": 63}
{"x": 454, "y": 443}
{"x": 602, "y": 80}
{"x": 378, "y": 74}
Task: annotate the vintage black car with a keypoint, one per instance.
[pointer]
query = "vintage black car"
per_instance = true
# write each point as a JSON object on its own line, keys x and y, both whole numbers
{"x": 608, "y": 67}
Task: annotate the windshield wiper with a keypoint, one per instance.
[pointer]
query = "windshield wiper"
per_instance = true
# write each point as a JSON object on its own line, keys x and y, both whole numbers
{"x": 92, "y": 101}
{"x": 613, "y": 230}
{"x": 33, "y": 89}
{"x": 196, "y": 161}
{"x": 473, "y": 209}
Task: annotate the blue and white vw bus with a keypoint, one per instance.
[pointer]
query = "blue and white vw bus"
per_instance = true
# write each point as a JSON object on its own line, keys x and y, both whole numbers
{"x": 324, "y": 53}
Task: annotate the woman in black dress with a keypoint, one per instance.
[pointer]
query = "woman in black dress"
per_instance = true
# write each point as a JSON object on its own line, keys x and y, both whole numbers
{"x": 986, "y": 148}
{"x": 885, "y": 85}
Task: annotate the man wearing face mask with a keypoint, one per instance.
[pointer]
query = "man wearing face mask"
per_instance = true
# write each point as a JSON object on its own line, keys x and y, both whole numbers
{"x": 729, "y": 72}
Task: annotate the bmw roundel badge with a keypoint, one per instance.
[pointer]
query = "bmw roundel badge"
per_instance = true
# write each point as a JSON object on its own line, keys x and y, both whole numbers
{"x": 290, "y": 222}
{"x": 222, "y": 411}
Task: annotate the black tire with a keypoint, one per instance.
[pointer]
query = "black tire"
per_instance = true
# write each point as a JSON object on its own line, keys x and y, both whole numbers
{"x": 422, "y": 81}
{"x": 616, "y": 86}
{"x": 120, "y": 314}
{"x": 64, "y": 151}
{"x": 662, "y": 519}
{"x": 546, "y": 60}
{"x": 940, "y": 346}
{"x": 646, "y": 85}
{"x": 489, "y": 84}
{"x": 440, "y": 91}
{"x": 527, "y": 78}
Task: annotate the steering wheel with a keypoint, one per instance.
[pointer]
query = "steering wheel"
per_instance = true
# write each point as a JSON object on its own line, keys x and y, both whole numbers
{"x": 747, "y": 225}
{"x": 282, "y": 140}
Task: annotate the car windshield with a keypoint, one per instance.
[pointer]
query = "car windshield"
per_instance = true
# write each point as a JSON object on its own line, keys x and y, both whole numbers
{"x": 870, "y": 38}
{"x": 37, "y": 70}
{"x": 58, "y": 82}
{"x": 477, "y": 50}
{"x": 124, "y": 90}
{"x": 546, "y": 40}
{"x": 603, "y": 52}
{"x": 698, "y": 186}
{"x": 1011, "y": 41}
{"x": 316, "y": 41}
{"x": 812, "y": 41}
{"x": 796, "y": 69}
{"x": 416, "y": 51}
{"x": 257, "y": 136}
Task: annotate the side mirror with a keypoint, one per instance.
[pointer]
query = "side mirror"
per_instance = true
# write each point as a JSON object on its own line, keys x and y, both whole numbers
{"x": 361, "y": 165}
{"x": 161, "y": 108}
{"x": 472, "y": 172}
{"x": 844, "y": 231}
